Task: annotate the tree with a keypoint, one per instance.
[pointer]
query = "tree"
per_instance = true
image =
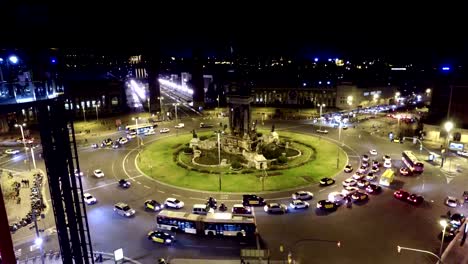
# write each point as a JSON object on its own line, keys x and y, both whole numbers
{"x": 194, "y": 134}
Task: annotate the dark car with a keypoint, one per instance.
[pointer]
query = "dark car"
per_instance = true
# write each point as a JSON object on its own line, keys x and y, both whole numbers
{"x": 415, "y": 199}
{"x": 107, "y": 142}
{"x": 326, "y": 205}
{"x": 401, "y": 195}
{"x": 373, "y": 189}
{"x": 326, "y": 181}
{"x": 450, "y": 232}
{"x": 160, "y": 237}
{"x": 240, "y": 209}
{"x": 124, "y": 183}
{"x": 153, "y": 205}
{"x": 252, "y": 199}
{"x": 359, "y": 196}
{"x": 212, "y": 203}
{"x": 455, "y": 219}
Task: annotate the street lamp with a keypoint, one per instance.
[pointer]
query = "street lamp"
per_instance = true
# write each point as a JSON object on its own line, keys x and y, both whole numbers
{"x": 175, "y": 105}
{"x": 399, "y": 249}
{"x": 443, "y": 223}
{"x": 13, "y": 59}
{"x": 149, "y": 106}
{"x": 83, "y": 108}
{"x": 97, "y": 113}
{"x": 137, "y": 130}
{"x": 448, "y": 127}
{"x": 24, "y": 142}
{"x": 218, "y": 132}
{"x": 217, "y": 99}
{"x": 321, "y": 105}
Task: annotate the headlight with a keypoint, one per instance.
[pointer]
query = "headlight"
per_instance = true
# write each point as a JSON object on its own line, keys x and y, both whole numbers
{"x": 168, "y": 240}
{"x": 128, "y": 213}
{"x": 265, "y": 208}
{"x": 157, "y": 207}
{"x": 162, "y": 206}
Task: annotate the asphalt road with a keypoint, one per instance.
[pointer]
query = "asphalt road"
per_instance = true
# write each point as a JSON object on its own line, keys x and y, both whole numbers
{"x": 369, "y": 232}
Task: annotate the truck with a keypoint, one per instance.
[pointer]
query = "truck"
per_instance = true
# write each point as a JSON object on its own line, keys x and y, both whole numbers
{"x": 387, "y": 177}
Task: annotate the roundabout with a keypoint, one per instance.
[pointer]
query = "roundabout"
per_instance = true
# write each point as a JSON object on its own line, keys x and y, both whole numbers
{"x": 310, "y": 158}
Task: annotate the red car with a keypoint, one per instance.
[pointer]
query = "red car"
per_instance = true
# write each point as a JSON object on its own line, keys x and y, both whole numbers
{"x": 415, "y": 199}
{"x": 401, "y": 195}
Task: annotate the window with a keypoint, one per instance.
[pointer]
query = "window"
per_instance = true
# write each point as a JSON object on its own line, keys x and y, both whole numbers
{"x": 366, "y": 94}
{"x": 115, "y": 101}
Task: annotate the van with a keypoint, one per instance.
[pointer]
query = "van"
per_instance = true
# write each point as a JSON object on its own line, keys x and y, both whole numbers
{"x": 201, "y": 209}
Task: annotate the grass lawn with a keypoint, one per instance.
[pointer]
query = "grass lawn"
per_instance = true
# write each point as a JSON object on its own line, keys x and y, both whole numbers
{"x": 157, "y": 161}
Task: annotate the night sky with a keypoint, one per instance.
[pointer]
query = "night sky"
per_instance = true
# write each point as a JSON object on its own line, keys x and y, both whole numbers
{"x": 394, "y": 30}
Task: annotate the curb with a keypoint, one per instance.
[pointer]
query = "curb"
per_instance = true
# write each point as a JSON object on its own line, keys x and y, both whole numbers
{"x": 240, "y": 193}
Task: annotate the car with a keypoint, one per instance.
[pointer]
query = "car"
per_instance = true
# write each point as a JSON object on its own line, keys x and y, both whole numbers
{"x": 451, "y": 201}
{"x": 387, "y": 164}
{"x": 275, "y": 208}
{"x": 362, "y": 169}
{"x": 27, "y": 140}
{"x": 12, "y": 151}
{"x": 345, "y": 127}
{"x": 374, "y": 169}
{"x": 348, "y": 168}
{"x": 397, "y": 140}
{"x": 89, "y": 199}
{"x": 180, "y": 125}
{"x": 349, "y": 182}
{"x": 358, "y": 176}
{"x": 320, "y": 131}
{"x": 164, "y": 130}
{"x": 362, "y": 183}
{"x": 160, "y": 237}
{"x": 373, "y": 188}
{"x": 115, "y": 145}
{"x": 122, "y": 140}
{"x": 365, "y": 157}
{"x": 404, "y": 171}
{"x": 365, "y": 164}
{"x": 386, "y": 158}
{"x": 326, "y": 205}
{"x": 302, "y": 195}
{"x": 240, "y": 209}
{"x": 373, "y": 152}
{"x": 78, "y": 173}
{"x": 463, "y": 153}
{"x": 415, "y": 199}
{"x": 252, "y": 199}
{"x": 359, "y": 196}
{"x": 131, "y": 135}
{"x": 107, "y": 142}
{"x": 153, "y": 205}
{"x": 376, "y": 163}
{"x": 98, "y": 173}
{"x": 173, "y": 203}
{"x": 336, "y": 197}
{"x": 124, "y": 183}
{"x": 371, "y": 176}
{"x": 203, "y": 125}
{"x": 94, "y": 145}
{"x": 457, "y": 219}
{"x": 349, "y": 190}
{"x": 124, "y": 209}
{"x": 401, "y": 195}
{"x": 299, "y": 204}
{"x": 326, "y": 181}
{"x": 150, "y": 132}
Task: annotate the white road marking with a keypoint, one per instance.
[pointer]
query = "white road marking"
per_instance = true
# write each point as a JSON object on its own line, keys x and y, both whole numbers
{"x": 161, "y": 191}
{"x": 102, "y": 186}
{"x": 176, "y": 195}
{"x": 147, "y": 187}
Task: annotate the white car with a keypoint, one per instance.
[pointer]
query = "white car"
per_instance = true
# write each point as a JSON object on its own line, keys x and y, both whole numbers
{"x": 302, "y": 195}
{"x": 180, "y": 125}
{"x": 373, "y": 152}
{"x": 89, "y": 199}
{"x": 349, "y": 182}
{"x": 164, "y": 130}
{"x": 78, "y": 173}
{"x": 371, "y": 177}
{"x": 150, "y": 132}
{"x": 386, "y": 157}
{"x": 358, "y": 176}
{"x": 123, "y": 141}
{"x": 463, "y": 153}
{"x": 365, "y": 157}
{"x": 299, "y": 204}
{"x": 451, "y": 201}
{"x": 173, "y": 203}
{"x": 336, "y": 197}
{"x": 387, "y": 164}
{"x": 362, "y": 169}
{"x": 11, "y": 151}
{"x": 322, "y": 131}
{"x": 98, "y": 173}
{"x": 124, "y": 209}
{"x": 348, "y": 168}
{"x": 349, "y": 190}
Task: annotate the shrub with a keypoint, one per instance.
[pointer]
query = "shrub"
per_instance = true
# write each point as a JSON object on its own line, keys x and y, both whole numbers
{"x": 188, "y": 150}
{"x": 203, "y": 138}
{"x": 247, "y": 171}
{"x": 236, "y": 165}
{"x": 259, "y": 134}
{"x": 282, "y": 160}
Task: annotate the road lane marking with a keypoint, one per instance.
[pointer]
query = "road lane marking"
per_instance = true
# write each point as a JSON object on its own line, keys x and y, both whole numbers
{"x": 161, "y": 191}
{"x": 147, "y": 187}
{"x": 176, "y": 195}
{"x": 101, "y": 186}
{"x": 138, "y": 182}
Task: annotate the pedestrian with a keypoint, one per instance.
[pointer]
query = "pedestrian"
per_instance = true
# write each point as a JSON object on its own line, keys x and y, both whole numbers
{"x": 242, "y": 261}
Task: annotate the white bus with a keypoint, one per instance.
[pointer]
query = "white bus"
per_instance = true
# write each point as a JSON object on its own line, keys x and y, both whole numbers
{"x": 220, "y": 224}
{"x": 140, "y": 128}
{"x": 412, "y": 162}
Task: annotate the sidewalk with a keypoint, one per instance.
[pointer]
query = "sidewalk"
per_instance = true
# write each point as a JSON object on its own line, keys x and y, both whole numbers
{"x": 55, "y": 258}
{"x": 456, "y": 253}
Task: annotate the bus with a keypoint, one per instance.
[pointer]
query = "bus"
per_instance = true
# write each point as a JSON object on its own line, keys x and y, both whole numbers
{"x": 140, "y": 128}
{"x": 220, "y": 224}
{"x": 412, "y": 162}
{"x": 387, "y": 177}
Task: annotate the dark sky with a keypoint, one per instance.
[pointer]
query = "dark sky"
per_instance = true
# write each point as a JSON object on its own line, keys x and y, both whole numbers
{"x": 390, "y": 29}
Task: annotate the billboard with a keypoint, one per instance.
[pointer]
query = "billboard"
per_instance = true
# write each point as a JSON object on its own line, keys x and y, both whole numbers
{"x": 456, "y": 146}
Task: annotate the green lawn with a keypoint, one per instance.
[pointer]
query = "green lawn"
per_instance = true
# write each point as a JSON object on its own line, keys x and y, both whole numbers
{"x": 157, "y": 161}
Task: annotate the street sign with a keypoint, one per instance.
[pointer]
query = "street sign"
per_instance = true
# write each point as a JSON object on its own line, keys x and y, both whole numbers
{"x": 118, "y": 254}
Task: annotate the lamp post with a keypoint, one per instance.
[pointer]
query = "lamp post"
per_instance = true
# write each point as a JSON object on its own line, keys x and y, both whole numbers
{"x": 218, "y": 132}
{"x": 217, "y": 99}
{"x": 320, "y": 117}
{"x": 83, "y": 108}
{"x": 149, "y": 106}
{"x": 24, "y": 142}
{"x": 338, "y": 147}
{"x": 137, "y": 130}
{"x": 97, "y": 112}
{"x": 33, "y": 159}
{"x": 419, "y": 250}
{"x": 160, "y": 98}
{"x": 175, "y": 105}
{"x": 448, "y": 127}
{"x": 443, "y": 223}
